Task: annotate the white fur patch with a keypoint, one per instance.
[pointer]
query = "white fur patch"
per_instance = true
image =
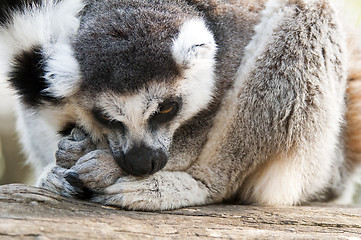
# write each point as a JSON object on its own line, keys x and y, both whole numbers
{"x": 62, "y": 71}
{"x": 194, "y": 42}
{"x": 49, "y": 26}
{"x": 134, "y": 112}
{"x": 194, "y": 51}
{"x": 289, "y": 179}
{"x": 31, "y": 127}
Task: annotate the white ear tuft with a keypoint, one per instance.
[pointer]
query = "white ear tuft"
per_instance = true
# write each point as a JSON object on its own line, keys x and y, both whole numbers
{"x": 194, "y": 42}
{"x": 194, "y": 51}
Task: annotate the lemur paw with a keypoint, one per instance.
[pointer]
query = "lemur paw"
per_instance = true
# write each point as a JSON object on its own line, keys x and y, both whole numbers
{"x": 72, "y": 148}
{"x": 63, "y": 182}
{"x": 96, "y": 170}
{"x": 161, "y": 191}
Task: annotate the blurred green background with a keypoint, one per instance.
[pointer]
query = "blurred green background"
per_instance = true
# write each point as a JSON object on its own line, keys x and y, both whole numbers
{"x": 12, "y": 167}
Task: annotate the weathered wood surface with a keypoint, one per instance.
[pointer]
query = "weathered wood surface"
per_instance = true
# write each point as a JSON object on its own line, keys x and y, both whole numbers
{"x": 31, "y": 213}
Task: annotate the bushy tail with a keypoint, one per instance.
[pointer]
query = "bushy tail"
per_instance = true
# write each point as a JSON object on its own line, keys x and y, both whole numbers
{"x": 34, "y": 38}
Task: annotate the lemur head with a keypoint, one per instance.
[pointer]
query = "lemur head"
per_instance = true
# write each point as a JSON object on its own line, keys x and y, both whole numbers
{"x": 130, "y": 76}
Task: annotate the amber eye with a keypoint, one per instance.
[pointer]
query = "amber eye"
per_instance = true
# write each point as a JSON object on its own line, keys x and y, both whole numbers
{"x": 102, "y": 116}
{"x": 107, "y": 120}
{"x": 105, "y": 117}
{"x": 167, "y": 109}
{"x": 166, "y": 112}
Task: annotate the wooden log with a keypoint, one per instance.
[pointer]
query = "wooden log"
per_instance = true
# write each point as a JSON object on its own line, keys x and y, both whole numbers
{"x": 31, "y": 213}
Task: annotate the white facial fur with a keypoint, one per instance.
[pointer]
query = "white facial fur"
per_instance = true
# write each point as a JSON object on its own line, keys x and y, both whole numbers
{"x": 134, "y": 111}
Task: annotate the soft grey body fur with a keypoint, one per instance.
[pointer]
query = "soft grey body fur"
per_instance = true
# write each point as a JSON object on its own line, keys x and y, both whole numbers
{"x": 259, "y": 88}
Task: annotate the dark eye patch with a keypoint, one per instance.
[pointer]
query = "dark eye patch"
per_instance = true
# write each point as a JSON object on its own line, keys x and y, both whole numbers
{"x": 166, "y": 111}
{"x": 106, "y": 120}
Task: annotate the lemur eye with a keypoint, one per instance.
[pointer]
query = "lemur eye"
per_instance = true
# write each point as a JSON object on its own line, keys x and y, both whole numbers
{"x": 105, "y": 116}
{"x": 101, "y": 116}
{"x": 166, "y": 112}
{"x": 107, "y": 120}
{"x": 167, "y": 108}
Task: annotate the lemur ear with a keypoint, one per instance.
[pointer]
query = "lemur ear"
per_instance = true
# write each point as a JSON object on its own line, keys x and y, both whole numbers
{"x": 35, "y": 53}
{"x": 193, "y": 44}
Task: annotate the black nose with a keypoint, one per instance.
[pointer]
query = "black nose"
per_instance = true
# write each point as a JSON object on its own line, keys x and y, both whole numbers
{"x": 142, "y": 161}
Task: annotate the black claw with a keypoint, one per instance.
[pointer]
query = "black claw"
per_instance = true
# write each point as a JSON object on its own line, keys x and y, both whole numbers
{"x": 73, "y": 179}
{"x": 87, "y": 194}
{"x": 82, "y": 192}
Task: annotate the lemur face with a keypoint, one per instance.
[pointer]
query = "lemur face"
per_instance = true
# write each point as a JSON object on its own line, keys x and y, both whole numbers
{"x": 128, "y": 75}
{"x": 138, "y": 127}
{"x": 139, "y": 116}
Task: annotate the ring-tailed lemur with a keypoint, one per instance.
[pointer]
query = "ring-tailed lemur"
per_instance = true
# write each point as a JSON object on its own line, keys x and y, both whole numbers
{"x": 161, "y": 104}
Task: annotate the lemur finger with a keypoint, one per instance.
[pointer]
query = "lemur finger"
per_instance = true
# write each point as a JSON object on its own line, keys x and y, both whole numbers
{"x": 103, "y": 157}
{"x": 82, "y": 192}
{"x": 65, "y": 159}
{"x": 99, "y": 179}
{"x": 85, "y": 165}
{"x": 77, "y": 135}
{"x": 73, "y": 179}
{"x": 55, "y": 182}
{"x": 75, "y": 146}
{"x": 97, "y": 169}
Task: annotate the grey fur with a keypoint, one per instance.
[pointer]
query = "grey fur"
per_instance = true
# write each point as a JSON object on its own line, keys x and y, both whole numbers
{"x": 130, "y": 43}
{"x": 271, "y": 132}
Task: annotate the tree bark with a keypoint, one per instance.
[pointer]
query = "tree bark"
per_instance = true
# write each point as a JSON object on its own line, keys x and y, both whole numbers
{"x": 31, "y": 213}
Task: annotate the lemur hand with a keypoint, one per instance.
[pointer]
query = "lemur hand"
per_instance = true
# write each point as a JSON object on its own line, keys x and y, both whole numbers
{"x": 96, "y": 170}
{"x": 83, "y": 167}
{"x": 72, "y": 148}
